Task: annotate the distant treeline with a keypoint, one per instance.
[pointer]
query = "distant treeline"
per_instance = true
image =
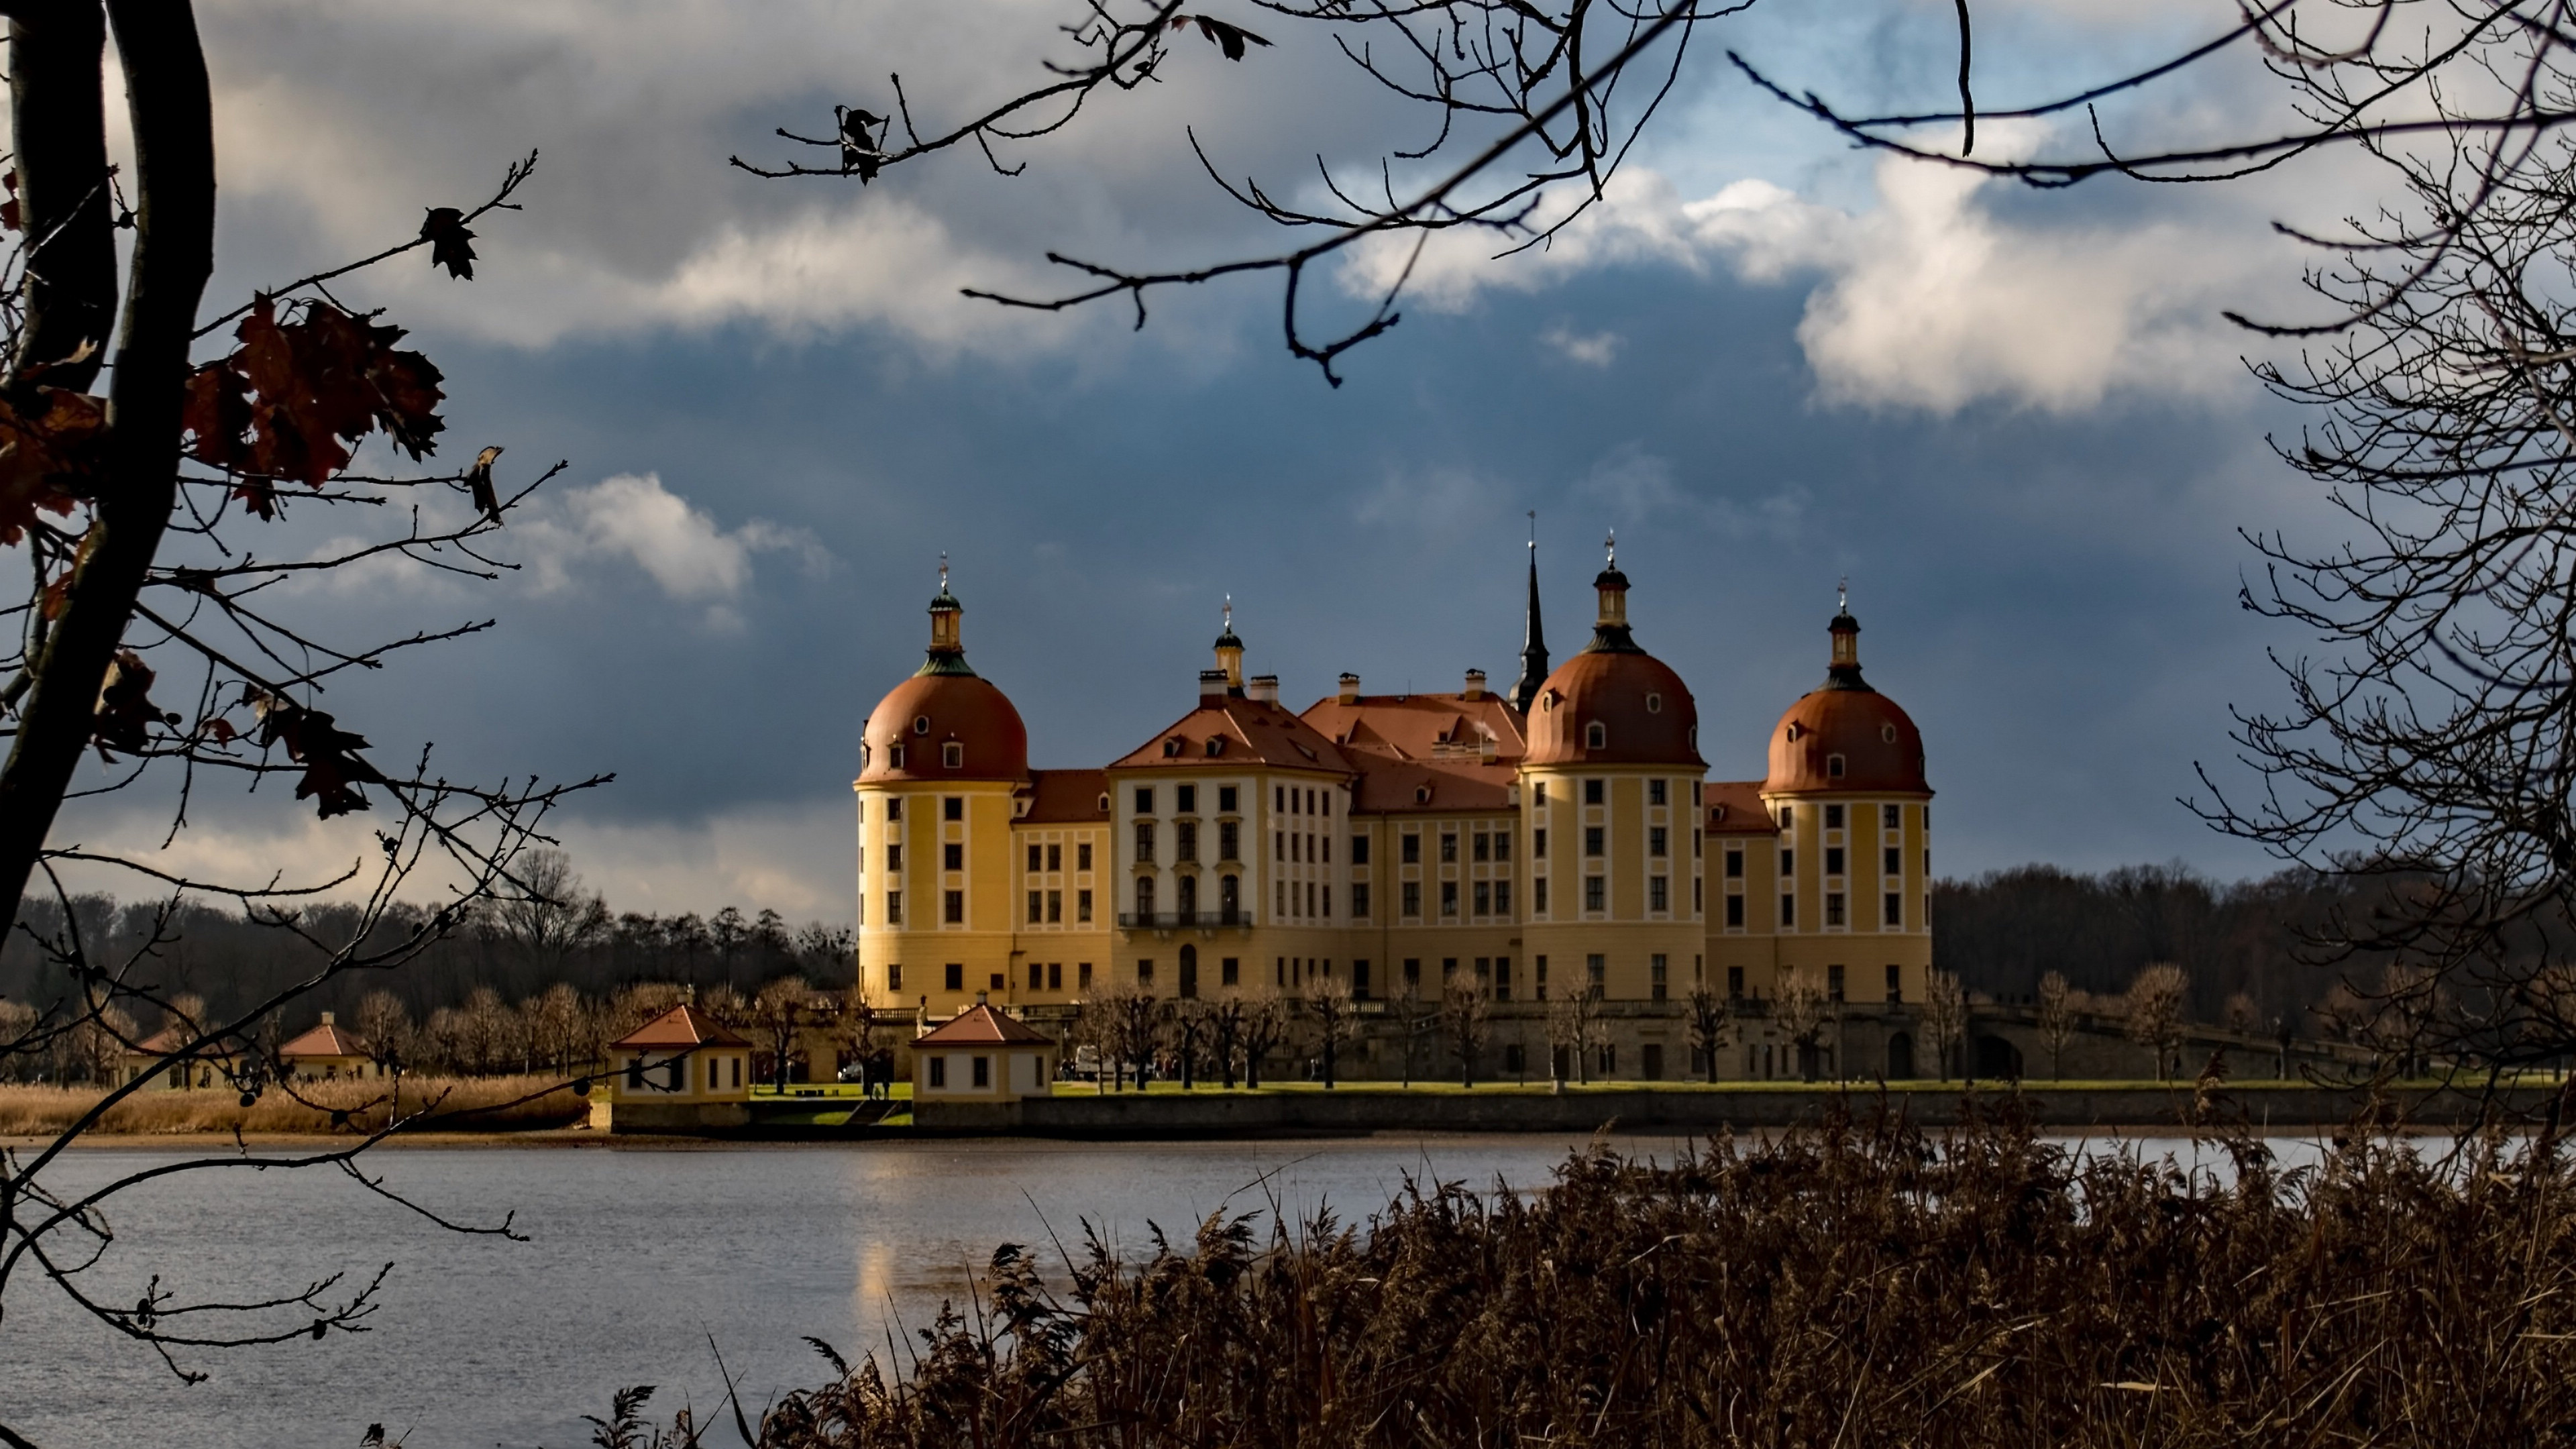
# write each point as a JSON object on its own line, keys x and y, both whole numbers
{"x": 2003, "y": 931}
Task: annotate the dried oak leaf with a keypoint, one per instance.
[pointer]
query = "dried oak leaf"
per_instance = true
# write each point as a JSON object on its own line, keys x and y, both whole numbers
{"x": 332, "y": 769}
{"x": 478, "y": 481}
{"x": 1228, "y": 38}
{"x": 126, "y": 713}
{"x": 294, "y": 397}
{"x": 450, "y": 244}
{"x": 43, "y": 449}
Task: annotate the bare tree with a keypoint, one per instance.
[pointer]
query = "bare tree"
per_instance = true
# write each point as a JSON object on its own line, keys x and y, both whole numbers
{"x": 1333, "y": 1015}
{"x": 781, "y": 1011}
{"x": 1225, "y": 1035}
{"x": 1188, "y": 1034}
{"x": 2155, "y": 1006}
{"x": 1264, "y": 1027}
{"x": 1413, "y": 1019}
{"x": 1466, "y": 1011}
{"x": 1803, "y": 1013}
{"x": 2056, "y": 1019}
{"x": 1945, "y": 1017}
{"x": 1574, "y": 1029}
{"x": 1709, "y": 1026}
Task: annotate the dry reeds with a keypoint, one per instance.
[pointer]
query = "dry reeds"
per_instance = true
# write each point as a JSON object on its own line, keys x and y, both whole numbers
{"x": 1851, "y": 1284}
{"x": 469, "y": 1104}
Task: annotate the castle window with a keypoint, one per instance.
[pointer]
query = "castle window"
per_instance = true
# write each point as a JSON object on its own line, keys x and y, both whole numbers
{"x": 894, "y": 912}
{"x": 863, "y": 764}
{"x": 1484, "y": 898}
{"x": 1360, "y": 900}
{"x": 1144, "y": 842}
{"x": 1413, "y": 898}
{"x": 1229, "y": 839}
{"x": 1502, "y": 845}
{"x": 1659, "y": 895}
{"x": 1894, "y": 864}
{"x": 1541, "y": 797}
{"x": 1735, "y": 865}
{"x": 1484, "y": 846}
{"x": 1887, "y": 733}
{"x": 1227, "y": 799}
{"x": 1596, "y": 735}
{"x": 1654, "y": 704}
{"x": 1448, "y": 898}
{"x": 1538, "y": 898}
{"x": 1144, "y": 900}
{"x": 1834, "y": 814}
{"x": 1833, "y": 860}
{"x": 1082, "y": 912}
{"x": 1055, "y": 858}
{"x": 1448, "y": 847}
{"x": 953, "y": 807}
{"x": 1894, "y": 907}
{"x": 1144, "y": 799}
{"x": 1735, "y": 914}
{"x": 1834, "y": 983}
{"x": 1215, "y": 746}
{"x": 1104, "y": 802}
{"x": 1795, "y": 732}
{"x": 1834, "y": 766}
{"x": 894, "y": 760}
{"x": 921, "y": 724}
{"x": 954, "y": 910}
{"x": 1538, "y": 842}
{"x": 1037, "y": 906}
{"x": 1592, "y": 840}
{"x": 1185, "y": 799}
{"x": 1591, "y": 792}
{"x": 1595, "y": 892}
{"x": 1412, "y": 852}
{"x": 1887, "y": 816}
{"x": 1596, "y": 971}
{"x": 1656, "y": 792}
{"x": 953, "y": 856}
{"x": 1171, "y": 747}
{"x": 1833, "y": 908}
{"x": 1789, "y": 911}
{"x": 1359, "y": 850}
{"x": 1082, "y": 856}
{"x": 1036, "y": 854}
{"x": 1658, "y": 840}
{"x": 953, "y": 755}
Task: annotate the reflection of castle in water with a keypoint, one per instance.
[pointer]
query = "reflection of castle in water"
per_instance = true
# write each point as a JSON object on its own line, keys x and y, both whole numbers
{"x": 1559, "y": 838}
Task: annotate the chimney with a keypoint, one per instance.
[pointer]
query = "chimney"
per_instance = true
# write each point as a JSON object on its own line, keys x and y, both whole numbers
{"x": 980, "y": 998}
{"x": 1211, "y": 685}
{"x": 1265, "y": 688}
{"x": 1350, "y": 690}
{"x": 326, "y": 1018}
{"x": 1475, "y": 684}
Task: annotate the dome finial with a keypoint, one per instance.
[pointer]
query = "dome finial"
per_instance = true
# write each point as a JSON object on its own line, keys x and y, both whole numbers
{"x": 943, "y": 571}
{"x": 1610, "y": 543}
{"x": 1229, "y": 613}
{"x": 1842, "y": 595}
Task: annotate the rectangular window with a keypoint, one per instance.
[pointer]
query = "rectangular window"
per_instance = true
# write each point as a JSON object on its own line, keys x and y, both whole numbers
{"x": 1037, "y": 976}
{"x": 1538, "y": 976}
{"x": 1595, "y": 893}
{"x": 1659, "y": 893}
{"x": 1144, "y": 799}
{"x": 939, "y": 1071}
{"x": 1596, "y": 975}
{"x": 1833, "y": 908}
{"x": 1360, "y": 978}
{"x": 894, "y": 976}
{"x": 1592, "y": 840}
{"x": 1538, "y": 842}
{"x": 1735, "y": 910}
{"x": 1185, "y": 799}
{"x": 1887, "y": 816}
{"x": 1541, "y": 796}
{"x": 1788, "y": 863}
{"x": 1145, "y": 972}
{"x": 1448, "y": 898}
{"x": 1144, "y": 842}
{"x": 1230, "y": 971}
{"x": 952, "y": 856}
{"x": 1055, "y": 908}
{"x": 1833, "y": 983}
{"x": 1735, "y": 983}
{"x": 1082, "y": 856}
{"x": 1502, "y": 978}
{"x": 1538, "y": 895}
{"x": 953, "y": 808}
{"x": 1655, "y": 792}
{"x": 1448, "y": 847}
{"x": 1788, "y": 816}
{"x": 1412, "y": 973}
{"x": 983, "y": 1070}
{"x": 954, "y": 909}
{"x": 1894, "y": 863}
{"x": 1591, "y": 792}
{"x": 1484, "y": 898}
{"x": 1229, "y": 840}
{"x": 1037, "y": 853}
{"x": 1185, "y": 841}
{"x": 1484, "y": 846}
{"x": 1833, "y": 860}
{"x": 894, "y": 859}
{"x": 1893, "y": 909}
{"x": 1502, "y": 845}
{"x": 1502, "y": 898}
{"x": 1411, "y": 854}
{"x": 1658, "y": 840}
{"x": 1359, "y": 850}
{"x": 1789, "y": 911}
{"x": 1659, "y": 977}
{"x": 1082, "y": 905}
{"x": 1833, "y": 817}
{"x": 955, "y": 974}
{"x": 1360, "y": 900}
{"x": 1735, "y": 865}
{"x": 1279, "y": 844}
{"x": 1698, "y": 901}
{"x": 894, "y": 908}
{"x": 1082, "y": 974}
{"x": 1695, "y": 839}
{"x": 894, "y": 808}
{"x": 1055, "y": 976}
{"x": 1055, "y": 857}
{"x": 1413, "y": 898}
{"x": 1037, "y": 906}
{"x": 1227, "y": 800}
{"x": 1895, "y": 978}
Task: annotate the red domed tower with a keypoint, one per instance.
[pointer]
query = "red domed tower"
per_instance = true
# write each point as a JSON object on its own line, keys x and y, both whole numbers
{"x": 1847, "y": 789}
{"x": 1609, "y": 796}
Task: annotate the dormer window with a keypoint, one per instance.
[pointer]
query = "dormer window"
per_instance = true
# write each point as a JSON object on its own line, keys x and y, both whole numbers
{"x": 1215, "y": 746}
{"x": 1888, "y": 733}
{"x": 1795, "y": 732}
{"x": 1654, "y": 704}
{"x": 921, "y": 724}
{"x": 1596, "y": 735}
{"x": 894, "y": 757}
{"x": 863, "y": 754}
{"x": 1833, "y": 767}
{"x": 1421, "y": 794}
{"x": 1172, "y": 747}
{"x": 1104, "y": 803}
{"x": 953, "y": 755}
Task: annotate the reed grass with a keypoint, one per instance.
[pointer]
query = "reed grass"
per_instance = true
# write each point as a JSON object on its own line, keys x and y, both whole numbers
{"x": 1854, "y": 1283}
{"x": 465, "y": 1104}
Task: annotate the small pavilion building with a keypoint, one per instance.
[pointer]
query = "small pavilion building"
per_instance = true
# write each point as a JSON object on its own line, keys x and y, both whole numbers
{"x": 157, "y": 1056}
{"x": 328, "y": 1053}
{"x": 682, "y": 1068}
{"x": 982, "y": 1055}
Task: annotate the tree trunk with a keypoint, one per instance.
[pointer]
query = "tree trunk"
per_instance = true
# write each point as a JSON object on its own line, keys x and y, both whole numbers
{"x": 172, "y": 118}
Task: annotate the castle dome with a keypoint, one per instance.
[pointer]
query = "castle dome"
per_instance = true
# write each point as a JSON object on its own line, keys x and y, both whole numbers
{"x": 1614, "y": 703}
{"x": 910, "y": 734}
{"x": 1846, "y": 736}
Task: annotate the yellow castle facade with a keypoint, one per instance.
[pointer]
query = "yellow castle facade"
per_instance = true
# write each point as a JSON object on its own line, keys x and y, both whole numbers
{"x": 1558, "y": 838}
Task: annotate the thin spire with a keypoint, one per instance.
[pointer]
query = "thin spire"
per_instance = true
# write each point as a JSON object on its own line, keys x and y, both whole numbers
{"x": 1533, "y": 635}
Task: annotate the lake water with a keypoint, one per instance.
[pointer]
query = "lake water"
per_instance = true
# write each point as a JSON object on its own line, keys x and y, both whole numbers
{"x": 636, "y": 1258}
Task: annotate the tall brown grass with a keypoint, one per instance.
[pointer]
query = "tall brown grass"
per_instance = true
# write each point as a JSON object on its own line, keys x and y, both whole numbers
{"x": 466, "y": 1104}
{"x": 1856, "y": 1283}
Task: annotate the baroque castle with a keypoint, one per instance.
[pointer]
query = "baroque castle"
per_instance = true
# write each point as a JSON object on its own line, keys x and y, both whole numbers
{"x": 1558, "y": 838}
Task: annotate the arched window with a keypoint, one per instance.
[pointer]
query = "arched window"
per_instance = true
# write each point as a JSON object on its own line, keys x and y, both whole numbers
{"x": 1171, "y": 747}
{"x": 1229, "y": 897}
{"x": 1188, "y": 893}
{"x": 953, "y": 755}
{"x": 1144, "y": 899}
{"x": 1215, "y": 746}
{"x": 1834, "y": 767}
{"x": 1596, "y": 735}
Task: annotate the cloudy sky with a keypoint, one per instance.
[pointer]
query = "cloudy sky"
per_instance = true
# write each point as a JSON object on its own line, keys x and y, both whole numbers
{"x": 2015, "y": 420}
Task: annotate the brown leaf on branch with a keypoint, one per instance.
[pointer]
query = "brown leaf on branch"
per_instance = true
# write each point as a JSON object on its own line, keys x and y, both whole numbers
{"x": 126, "y": 713}
{"x": 332, "y": 769}
{"x": 9, "y": 213}
{"x": 450, "y": 244}
{"x": 1228, "y": 38}
{"x": 478, "y": 480}
{"x": 42, "y": 450}
{"x": 295, "y": 397}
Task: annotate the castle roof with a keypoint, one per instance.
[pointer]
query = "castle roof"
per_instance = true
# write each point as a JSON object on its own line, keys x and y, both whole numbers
{"x": 684, "y": 1027}
{"x": 981, "y": 1025}
{"x": 1252, "y": 731}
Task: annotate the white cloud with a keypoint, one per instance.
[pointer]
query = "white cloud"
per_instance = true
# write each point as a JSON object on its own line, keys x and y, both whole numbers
{"x": 632, "y": 517}
{"x": 1929, "y": 301}
{"x": 1592, "y": 349}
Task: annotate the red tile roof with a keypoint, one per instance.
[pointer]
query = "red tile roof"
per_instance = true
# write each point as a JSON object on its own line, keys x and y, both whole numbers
{"x": 326, "y": 1040}
{"x": 981, "y": 1025}
{"x": 1425, "y": 752}
{"x": 1066, "y": 796}
{"x": 1734, "y": 807}
{"x": 1253, "y": 731}
{"x": 683, "y": 1026}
